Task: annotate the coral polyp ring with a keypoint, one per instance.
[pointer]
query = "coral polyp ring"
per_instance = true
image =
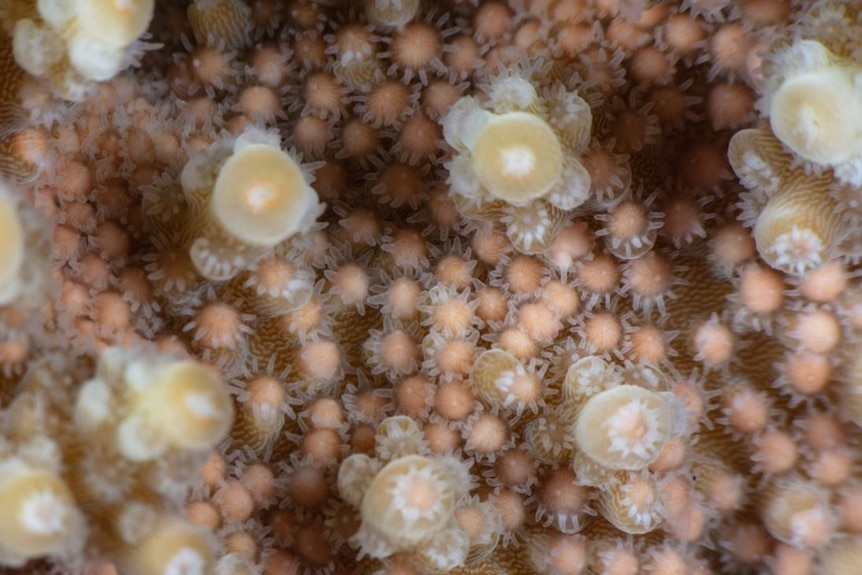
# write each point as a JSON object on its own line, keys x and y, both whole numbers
{"x": 518, "y": 157}
{"x": 260, "y": 195}
{"x": 809, "y": 115}
{"x": 624, "y": 428}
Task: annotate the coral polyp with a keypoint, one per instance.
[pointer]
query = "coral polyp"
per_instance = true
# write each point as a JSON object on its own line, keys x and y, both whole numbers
{"x": 517, "y": 156}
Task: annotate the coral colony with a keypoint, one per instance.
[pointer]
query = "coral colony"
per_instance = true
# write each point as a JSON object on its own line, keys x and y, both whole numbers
{"x": 403, "y": 287}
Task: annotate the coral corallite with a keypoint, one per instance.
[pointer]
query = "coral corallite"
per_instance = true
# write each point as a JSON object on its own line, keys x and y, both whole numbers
{"x": 414, "y": 287}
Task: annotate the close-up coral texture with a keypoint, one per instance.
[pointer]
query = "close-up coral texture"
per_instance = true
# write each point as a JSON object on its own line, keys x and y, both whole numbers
{"x": 417, "y": 287}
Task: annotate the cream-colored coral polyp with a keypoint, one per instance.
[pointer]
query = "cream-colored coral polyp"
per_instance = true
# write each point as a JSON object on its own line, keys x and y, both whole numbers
{"x": 446, "y": 551}
{"x": 189, "y": 404}
{"x": 409, "y": 500}
{"x": 798, "y": 514}
{"x": 631, "y": 504}
{"x": 818, "y": 114}
{"x": 758, "y": 159}
{"x": 355, "y": 474}
{"x": 38, "y": 511}
{"x": 116, "y": 22}
{"x": 393, "y": 13}
{"x": 172, "y": 547}
{"x": 587, "y": 377}
{"x": 11, "y": 247}
{"x": 624, "y": 428}
{"x": 398, "y": 436}
{"x": 57, "y": 14}
{"x": 261, "y": 196}
{"x": 95, "y": 60}
{"x": 487, "y": 370}
{"x": 37, "y": 49}
{"x": 799, "y": 227}
{"x": 517, "y": 157}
